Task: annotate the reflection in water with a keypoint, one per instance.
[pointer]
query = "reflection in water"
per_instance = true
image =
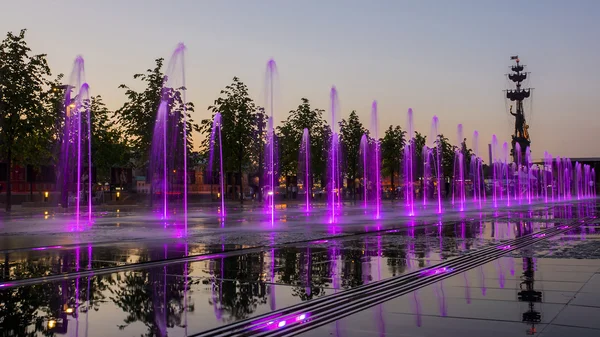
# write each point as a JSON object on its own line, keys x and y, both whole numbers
{"x": 155, "y": 297}
{"x": 156, "y": 301}
{"x": 482, "y": 280}
{"x": 417, "y": 307}
{"x": 528, "y": 294}
{"x": 441, "y": 297}
{"x": 467, "y": 288}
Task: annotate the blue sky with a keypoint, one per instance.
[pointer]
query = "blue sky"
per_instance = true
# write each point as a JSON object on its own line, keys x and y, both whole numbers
{"x": 444, "y": 58}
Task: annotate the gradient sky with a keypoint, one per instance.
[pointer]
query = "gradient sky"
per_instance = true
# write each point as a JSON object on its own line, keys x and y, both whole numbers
{"x": 445, "y": 58}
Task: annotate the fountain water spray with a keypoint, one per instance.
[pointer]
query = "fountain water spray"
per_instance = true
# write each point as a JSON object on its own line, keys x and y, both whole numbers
{"x": 363, "y": 156}
{"x": 304, "y": 166}
{"x": 334, "y": 168}
{"x": 409, "y": 151}
{"x": 168, "y": 158}
{"x": 76, "y": 135}
{"x": 216, "y": 130}
{"x": 271, "y": 153}
{"x": 377, "y": 159}
{"x": 438, "y": 159}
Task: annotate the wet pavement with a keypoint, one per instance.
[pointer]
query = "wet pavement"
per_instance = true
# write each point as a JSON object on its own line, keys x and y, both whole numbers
{"x": 136, "y": 278}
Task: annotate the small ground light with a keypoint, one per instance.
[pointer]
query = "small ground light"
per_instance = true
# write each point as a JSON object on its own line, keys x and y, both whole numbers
{"x": 281, "y": 324}
{"x": 118, "y": 196}
{"x": 69, "y": 310}
{"x": 51, "y": 324}
{"x": 46, "y": 194}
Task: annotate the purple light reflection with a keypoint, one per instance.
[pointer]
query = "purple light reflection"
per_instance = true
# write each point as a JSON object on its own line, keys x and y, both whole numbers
{"x": 436, "y": 271}
{"x": 44, "y": 248}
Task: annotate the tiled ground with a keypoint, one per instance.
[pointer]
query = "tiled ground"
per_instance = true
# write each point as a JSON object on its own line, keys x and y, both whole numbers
{"x": 484, "y": 302}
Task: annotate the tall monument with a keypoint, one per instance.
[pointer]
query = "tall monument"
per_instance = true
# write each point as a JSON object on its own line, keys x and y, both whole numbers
{"x": 521, "y": 133}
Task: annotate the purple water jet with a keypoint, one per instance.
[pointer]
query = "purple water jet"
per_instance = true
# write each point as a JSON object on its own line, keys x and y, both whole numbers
{"x": 76, "y": 143}
{"x": 271, "y": 77}
{"x": 409, "y": 151}
{"x": 363, "y": 156}
{"x": 216, "y": 130}
{"x": 168, "y": 172}
{"x": 377, "y": 159}
{"x": 438, "y": 158}
{"x": 304, "y": 171}
{"x": 334, "y": 190}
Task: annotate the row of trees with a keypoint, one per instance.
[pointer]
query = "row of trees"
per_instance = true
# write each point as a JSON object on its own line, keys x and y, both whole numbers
{"x": 32, "y": 117}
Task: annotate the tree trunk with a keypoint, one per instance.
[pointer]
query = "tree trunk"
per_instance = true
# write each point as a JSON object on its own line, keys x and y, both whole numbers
{"x": 8, "y": 178}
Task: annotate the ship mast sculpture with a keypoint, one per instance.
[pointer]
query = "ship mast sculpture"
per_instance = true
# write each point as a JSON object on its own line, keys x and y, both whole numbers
{"x": 521, "y": 135}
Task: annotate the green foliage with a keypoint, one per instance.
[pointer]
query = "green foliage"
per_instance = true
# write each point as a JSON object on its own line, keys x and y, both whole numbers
{"x": 290, "y": 135}
{"x": 419, "y": 143}
{"x": 23, "y": 117}
{"x": 138, "y": 115}
{"x": 109, "y": 147}
{"x": 351, "y": 132}
{"x": 391, "y": 146}
{"x": 240, "y": 120}
{"x": 448, "y": 151}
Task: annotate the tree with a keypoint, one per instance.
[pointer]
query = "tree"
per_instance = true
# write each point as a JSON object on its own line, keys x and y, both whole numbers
{"x": 448, "y": 152}
{"x": 351, "y": 132}
{"x": 23, "y": 79}
{"x": 392, "y": 145}
{"x": 239, "y": 127}
{"x": 419, "y": 142}
{"x": 138, "y": 115}
{"x": 290, "y": 133}
{"x": 109, "y": 148}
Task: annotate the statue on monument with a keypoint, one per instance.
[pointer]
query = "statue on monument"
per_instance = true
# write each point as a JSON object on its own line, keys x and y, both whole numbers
{"x": 519, "y": 123}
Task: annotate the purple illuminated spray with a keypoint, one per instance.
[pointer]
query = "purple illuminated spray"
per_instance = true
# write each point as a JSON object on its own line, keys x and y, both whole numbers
{"x": 304, "y": 166}
{"x": 168, "y": 158}
{"x": 506, "y": 169}
{"x": 517, "y": 172}
{"x": 377, "y": 159}
{"x": 476, "y": 169}
{"x": 494, "y": 165}
{"x": 438, "y": 148}
{"x": 76, "y": 135}
{"x": 334, "y": 158}
{"x": 426, "y": 154}
{"x": 458, "y": 192}
{"x": 408, "y": 165}
{"x": 216, "y": 130}
{"x": 271, "y": 77}
{"x": 527, "y": 169}
{"x": 363, "y": 154}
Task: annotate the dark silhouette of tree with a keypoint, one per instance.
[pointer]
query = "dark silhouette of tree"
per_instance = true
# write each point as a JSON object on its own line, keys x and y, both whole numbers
{"x": 290, "y": 133}
{"x": 138, "y": 115}
{"x": 240, "y": 123}
{"x": 109, "y": 147}
{"x": 391, "y": 145}
{"x": 25, "y": 124}
{"x": 351, "y": 131}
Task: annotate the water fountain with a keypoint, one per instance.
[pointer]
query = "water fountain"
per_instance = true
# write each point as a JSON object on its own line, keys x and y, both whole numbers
{"x": 271, "y": 148}
{"x": 409, "y": 151}
{"x": 438, "y": 159}
{"x": 216, "y": 130}
{"x": 376, "y": 172}
{"x": 76, "y": 154}
{"x": 168, "y": 172}
{"x": 304, "y": 166}
{"x": 334, "y": 159}
{"x": 458, "y": 192}
{"x": 364, "y": 160}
